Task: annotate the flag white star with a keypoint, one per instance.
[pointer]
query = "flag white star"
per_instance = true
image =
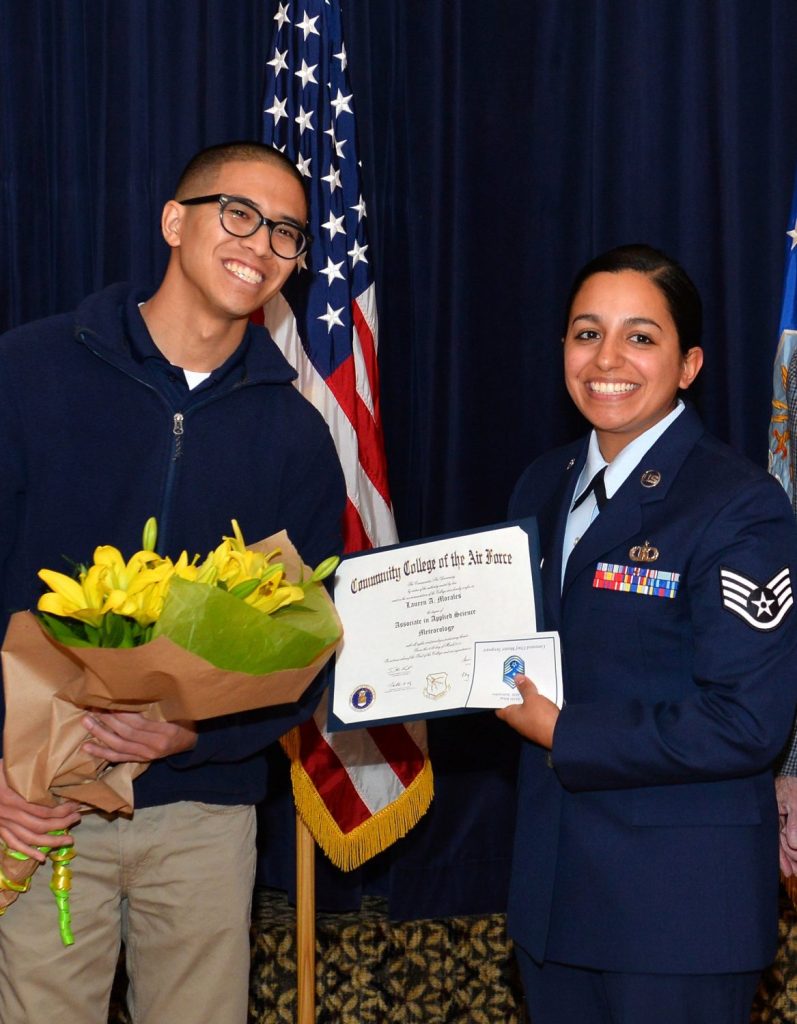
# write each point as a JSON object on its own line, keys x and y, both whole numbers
{"x": 360, "y": 208}
{"x": 337, "y": 144}
{"x": 332, "y": 318}
{"x": 306, "y": 74}
{"x": 332, "y": 271}
{"x": 307, "y": 25}
{"x": 341, "y": 57}
{"x": 278, "y": 110}
{"x": 334, "y": 225}
{"x": 303, "y": 165}
{"x": 303, "y": 119}
{"x": 333, "y": 178}
{"x": 341, "y": 103}
{"x": 278, "y": 61}
{"x": 357, "y": 253}
{"x": 793, "y": 235}
{"x": 282, "y": 15}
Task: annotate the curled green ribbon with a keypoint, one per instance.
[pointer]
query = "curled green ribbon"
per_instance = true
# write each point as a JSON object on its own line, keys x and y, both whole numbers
{"x": 60, "y": 883}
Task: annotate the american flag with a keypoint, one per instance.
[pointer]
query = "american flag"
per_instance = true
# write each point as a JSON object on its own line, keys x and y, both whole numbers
{"x": 356, "y": 791}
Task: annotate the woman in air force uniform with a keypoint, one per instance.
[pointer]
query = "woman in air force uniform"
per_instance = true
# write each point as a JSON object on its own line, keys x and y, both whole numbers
{"x": 645, "y": 874}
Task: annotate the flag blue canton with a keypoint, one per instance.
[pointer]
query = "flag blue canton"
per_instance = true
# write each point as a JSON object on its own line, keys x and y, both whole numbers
{"x": 308, "y": 113}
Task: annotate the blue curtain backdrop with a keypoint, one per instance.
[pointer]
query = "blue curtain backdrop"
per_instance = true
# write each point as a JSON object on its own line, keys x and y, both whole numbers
{"x": 503, "y": 145}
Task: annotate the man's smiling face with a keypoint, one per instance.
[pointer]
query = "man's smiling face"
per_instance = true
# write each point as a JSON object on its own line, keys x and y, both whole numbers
{"x": 230, "y": 275}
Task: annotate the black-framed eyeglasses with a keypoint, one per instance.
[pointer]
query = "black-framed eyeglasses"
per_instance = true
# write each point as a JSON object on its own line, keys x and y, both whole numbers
{"x": 242, "y": 218}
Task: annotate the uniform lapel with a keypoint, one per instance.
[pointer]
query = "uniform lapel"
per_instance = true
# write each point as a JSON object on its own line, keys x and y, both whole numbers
{"x": 552, "y": 520}
{"x": 649, "y": 482}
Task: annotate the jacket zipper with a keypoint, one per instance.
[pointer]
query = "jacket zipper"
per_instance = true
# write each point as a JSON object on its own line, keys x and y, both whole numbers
{"x": 177, "y": 432}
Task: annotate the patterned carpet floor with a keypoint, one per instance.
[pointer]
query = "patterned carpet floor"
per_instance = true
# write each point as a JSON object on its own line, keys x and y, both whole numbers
{"x": 370, "y": 970}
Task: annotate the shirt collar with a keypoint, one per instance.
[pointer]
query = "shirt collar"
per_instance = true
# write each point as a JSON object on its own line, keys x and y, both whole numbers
{"x": 145, "y": 351}
{"x": 621, "y": 466}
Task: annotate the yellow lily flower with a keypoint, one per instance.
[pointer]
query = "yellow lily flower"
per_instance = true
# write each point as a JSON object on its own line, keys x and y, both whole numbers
{"x": 137, "y": 588}
{"x": 280, "y": 597}
{"x": 68, "y": 598}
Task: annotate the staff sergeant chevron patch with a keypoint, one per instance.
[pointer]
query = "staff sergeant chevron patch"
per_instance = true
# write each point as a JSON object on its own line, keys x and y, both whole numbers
{"x": 762, "y": 605}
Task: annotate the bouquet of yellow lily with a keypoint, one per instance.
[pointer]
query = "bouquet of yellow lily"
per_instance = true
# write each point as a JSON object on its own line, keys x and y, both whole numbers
{"x": 249, "y": 627}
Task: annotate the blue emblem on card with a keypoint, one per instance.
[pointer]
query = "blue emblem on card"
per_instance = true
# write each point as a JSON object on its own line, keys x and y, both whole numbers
{"x": 362, "y": 698}
{"x": 513, "y": 666}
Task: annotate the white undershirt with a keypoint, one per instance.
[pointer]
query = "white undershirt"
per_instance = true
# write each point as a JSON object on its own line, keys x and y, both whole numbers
{"x": 194, "y": 378}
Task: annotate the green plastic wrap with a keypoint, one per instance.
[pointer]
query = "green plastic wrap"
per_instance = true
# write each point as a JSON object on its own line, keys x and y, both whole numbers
{"x": 232, "y": 635}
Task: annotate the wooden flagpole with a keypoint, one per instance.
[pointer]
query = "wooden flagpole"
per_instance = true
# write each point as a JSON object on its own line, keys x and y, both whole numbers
{"x": 305, "y": 923}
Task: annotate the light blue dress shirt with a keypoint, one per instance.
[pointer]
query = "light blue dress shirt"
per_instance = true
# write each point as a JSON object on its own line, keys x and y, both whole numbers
{"x": 617, "y": 471}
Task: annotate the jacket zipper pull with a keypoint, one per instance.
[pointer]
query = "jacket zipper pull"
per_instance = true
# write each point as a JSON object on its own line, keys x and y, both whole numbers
{"x": 178, "y": 431}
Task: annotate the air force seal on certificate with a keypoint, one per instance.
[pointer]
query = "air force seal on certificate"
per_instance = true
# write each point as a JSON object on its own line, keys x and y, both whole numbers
{"x": 362, "y": 698}
{"x": 762, "y": 605}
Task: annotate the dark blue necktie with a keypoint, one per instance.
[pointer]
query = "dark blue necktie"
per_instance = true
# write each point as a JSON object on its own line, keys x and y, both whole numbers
{"x": 597, "y": 486}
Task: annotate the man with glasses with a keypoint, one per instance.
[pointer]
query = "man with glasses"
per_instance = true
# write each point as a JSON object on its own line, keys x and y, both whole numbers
{"x": 170, "y": 404}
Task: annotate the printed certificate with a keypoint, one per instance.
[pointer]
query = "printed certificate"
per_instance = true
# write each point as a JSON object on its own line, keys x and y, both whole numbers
{"x": 441, "y": 627}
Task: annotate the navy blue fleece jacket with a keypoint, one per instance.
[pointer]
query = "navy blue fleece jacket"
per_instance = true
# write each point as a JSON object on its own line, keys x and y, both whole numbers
{"x": 96, "y": 435}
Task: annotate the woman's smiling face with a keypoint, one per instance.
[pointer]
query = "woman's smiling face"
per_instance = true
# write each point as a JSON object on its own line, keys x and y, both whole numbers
{"x": 623, "y": 360}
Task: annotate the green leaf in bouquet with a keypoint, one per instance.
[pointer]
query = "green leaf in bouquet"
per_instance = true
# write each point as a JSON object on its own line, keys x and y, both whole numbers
{"x": 113, "y": 631}
{"x": 232, "y": 635}
{"x": 66, "y": 631}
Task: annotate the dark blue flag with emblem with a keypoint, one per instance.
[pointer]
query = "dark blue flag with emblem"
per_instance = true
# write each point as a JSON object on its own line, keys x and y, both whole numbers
{"x": 783, "y": 424}
{"x": 376, "y": 783}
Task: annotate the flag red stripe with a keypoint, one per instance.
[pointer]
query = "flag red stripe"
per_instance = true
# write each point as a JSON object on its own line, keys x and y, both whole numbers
{"x": 354, "y": 533}
{"x": 399, "y": 750}
{"x": 331, "y": 779}
{"x": 341, "y": 382}
{"x": 368, "y": 346}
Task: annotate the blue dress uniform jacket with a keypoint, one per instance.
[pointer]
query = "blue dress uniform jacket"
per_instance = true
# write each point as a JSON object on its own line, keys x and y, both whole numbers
{"x": 647, "y": 838}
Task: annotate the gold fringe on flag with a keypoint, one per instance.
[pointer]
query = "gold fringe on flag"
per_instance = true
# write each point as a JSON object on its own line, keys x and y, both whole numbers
{"x": 348, "y": 851}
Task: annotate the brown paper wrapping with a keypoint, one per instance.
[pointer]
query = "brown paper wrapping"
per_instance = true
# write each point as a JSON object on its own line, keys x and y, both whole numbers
{"x": 49, "y": 686}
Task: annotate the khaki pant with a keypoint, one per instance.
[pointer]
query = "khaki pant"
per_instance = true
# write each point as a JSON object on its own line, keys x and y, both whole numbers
{"x": 175, "y": 884}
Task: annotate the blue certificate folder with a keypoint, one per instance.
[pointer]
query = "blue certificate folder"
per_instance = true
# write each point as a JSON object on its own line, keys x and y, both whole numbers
{"x": 422, "y": 562}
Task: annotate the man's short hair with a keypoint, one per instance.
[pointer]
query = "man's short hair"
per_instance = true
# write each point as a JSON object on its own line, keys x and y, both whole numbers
{"x": 201, "y": 169}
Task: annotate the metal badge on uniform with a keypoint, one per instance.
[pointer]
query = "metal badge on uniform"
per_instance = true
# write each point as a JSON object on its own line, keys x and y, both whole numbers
{"x": 761, "y": 605}
{"x": 644, "y": 553}
{"x": 631, "y": 579}
{"x": 650, "y": 478}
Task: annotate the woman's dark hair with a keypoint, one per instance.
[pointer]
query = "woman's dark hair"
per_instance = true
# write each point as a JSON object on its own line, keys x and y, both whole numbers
{"x": 681, "y": 296}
